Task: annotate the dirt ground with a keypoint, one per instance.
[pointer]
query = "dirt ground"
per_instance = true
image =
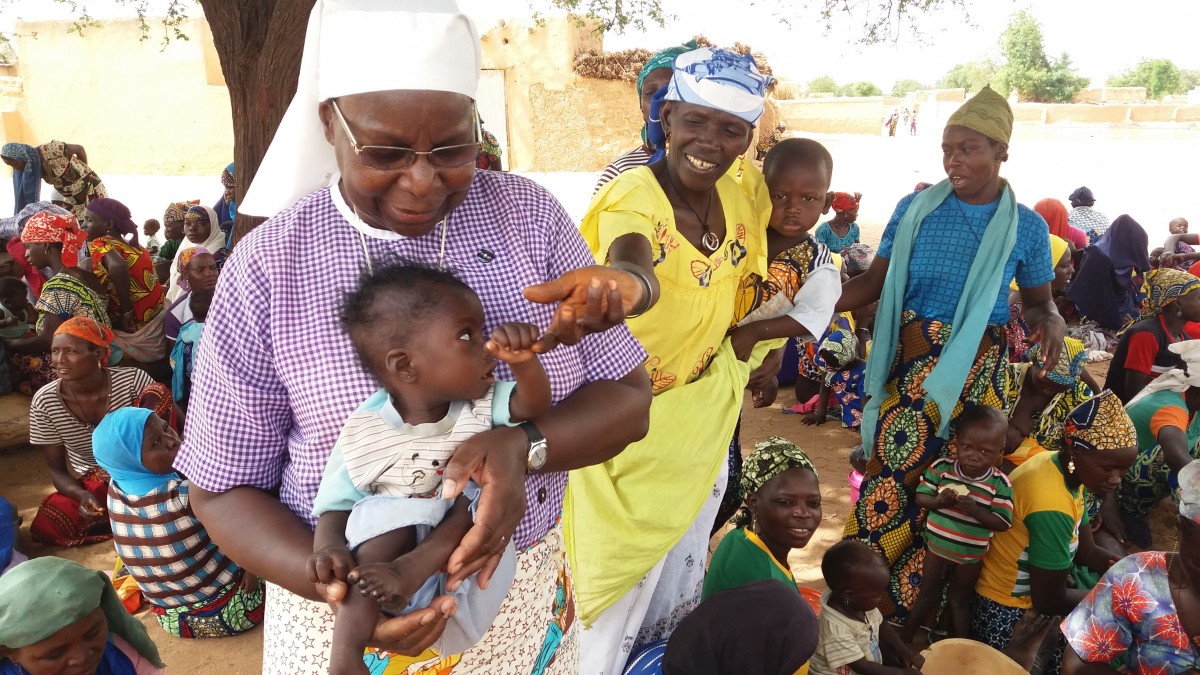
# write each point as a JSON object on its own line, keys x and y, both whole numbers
{"x": 25, "y": 480}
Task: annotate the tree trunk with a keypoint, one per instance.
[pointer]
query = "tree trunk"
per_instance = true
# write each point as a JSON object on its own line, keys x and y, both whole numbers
{"x": 259, "y": 43}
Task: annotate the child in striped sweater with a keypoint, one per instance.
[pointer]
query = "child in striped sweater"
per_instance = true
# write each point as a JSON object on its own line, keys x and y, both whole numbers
{"x": 967, "y": 498}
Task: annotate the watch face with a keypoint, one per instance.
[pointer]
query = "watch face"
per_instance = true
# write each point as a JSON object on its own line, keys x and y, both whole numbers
{"x": 537, "y": 456}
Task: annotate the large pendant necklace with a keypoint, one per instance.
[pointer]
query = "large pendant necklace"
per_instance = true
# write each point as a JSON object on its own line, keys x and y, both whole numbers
{"x": 709, "y": 240}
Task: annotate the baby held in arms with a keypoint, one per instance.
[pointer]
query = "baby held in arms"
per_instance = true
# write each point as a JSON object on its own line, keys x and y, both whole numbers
{"x": 382, "y": 524}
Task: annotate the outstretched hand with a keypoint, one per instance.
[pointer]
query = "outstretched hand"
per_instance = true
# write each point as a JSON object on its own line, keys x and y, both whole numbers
{"x": 1050, "y": 333}
{"x": 591, "y": 300}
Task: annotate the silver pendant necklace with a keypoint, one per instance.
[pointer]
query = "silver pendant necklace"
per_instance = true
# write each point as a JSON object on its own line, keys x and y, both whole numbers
{"x": 709, "y": 240}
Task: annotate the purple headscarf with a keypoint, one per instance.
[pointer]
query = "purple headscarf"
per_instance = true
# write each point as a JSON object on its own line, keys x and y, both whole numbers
{"x": 118, "y": 213}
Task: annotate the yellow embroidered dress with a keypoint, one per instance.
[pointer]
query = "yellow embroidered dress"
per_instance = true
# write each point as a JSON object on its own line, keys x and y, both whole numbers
{"x": 621, "y": 517}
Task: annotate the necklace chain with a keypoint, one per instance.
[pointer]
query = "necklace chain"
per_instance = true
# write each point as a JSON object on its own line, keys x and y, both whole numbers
{"x": 78, "y": 409}
{"x": 709, "y": 240}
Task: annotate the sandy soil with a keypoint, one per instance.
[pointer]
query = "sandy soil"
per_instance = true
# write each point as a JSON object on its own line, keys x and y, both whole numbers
{"x": 25, "y": 481}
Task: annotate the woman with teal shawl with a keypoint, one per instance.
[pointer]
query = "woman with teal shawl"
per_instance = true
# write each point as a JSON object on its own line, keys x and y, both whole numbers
{"x": 939, "y": 336}
{"x": 57, "y": 616}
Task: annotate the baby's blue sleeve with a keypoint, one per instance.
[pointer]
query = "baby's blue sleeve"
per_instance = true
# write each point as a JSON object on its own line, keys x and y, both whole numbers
{"x": 501, "y": 398}
{"x": 337, "y": 491}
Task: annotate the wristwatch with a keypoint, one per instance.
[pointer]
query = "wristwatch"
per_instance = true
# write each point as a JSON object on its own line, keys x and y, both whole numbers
{"x": 537, "y": 447}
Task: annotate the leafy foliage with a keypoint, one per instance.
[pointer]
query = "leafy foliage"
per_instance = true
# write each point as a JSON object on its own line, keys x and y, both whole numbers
{"x": 862, "y": 88}
{"x": 1160, "y": 77}
{"x": 823, "y": 85}
{"x": 902, "y": 87}
{"x": 973, "y": 76}
{"x": 175, "y": 15}
{"x": 1028, "y": 70}
{"x": 1188, "y": 79}
{"x": 881, "y": 20}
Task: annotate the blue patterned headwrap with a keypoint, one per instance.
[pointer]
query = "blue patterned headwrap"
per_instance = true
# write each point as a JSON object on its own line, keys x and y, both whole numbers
{"x": 23, "y": 152}
{"x": 720, "y": 79}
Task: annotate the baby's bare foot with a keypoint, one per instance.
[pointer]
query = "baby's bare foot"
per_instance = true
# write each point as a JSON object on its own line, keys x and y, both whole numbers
{"x": 387, "y": 583}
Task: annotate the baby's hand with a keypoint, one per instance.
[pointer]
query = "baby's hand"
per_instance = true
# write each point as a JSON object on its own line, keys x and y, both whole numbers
{"x": 9, "y": 321}
{"x": 512, "y": 343}
{"x": 329, "y": 564}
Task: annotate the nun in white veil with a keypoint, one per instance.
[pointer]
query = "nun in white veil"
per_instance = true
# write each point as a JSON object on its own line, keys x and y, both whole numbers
{"x": 374, "y": 163}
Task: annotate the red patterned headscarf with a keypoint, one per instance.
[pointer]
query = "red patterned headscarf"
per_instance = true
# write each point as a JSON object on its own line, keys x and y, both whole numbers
{"x": 844, "y": 201}
{"x": 53, "y": 228}
{"x": 177, "y": 210}
{"x": 89, "y": 330}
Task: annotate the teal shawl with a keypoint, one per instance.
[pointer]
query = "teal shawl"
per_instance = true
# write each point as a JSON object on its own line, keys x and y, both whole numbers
{"x": 945, "y": 384}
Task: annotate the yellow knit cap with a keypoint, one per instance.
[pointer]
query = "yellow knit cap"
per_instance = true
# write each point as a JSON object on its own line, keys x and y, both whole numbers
{"x": 988, "y": 113}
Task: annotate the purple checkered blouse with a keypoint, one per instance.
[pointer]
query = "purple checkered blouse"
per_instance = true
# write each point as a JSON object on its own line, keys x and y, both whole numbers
{"x": 276, "y": 377}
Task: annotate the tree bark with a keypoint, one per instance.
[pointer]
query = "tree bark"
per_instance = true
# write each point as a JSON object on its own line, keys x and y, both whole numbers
{"x": 259, "y": 43}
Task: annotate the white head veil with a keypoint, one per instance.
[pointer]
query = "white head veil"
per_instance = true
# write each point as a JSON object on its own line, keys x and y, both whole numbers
{"x": 355, "y": 47}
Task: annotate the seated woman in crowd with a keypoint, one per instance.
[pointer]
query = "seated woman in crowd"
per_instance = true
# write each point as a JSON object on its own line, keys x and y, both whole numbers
{"x": 1018, "y": 330}
{"x": 201, "y": 230}
{"x": 1143, "y": 351}
{"x": 226, "y": 207}
{"x": 193, "y": 589}
{"x": 135, "y": 298}
{"x": 62, "y": 416}
{"x": 173, "y": 230}
{"x": 197, "y": 270}
{"x": 187, "y": 345}
{"x": 1038, "y": 403}
{"x": 1108, "y": 283}
{"x": 1135, "y": 619}
{"x": 64, "y": 166}
{"x": 1055, "y": 215}
{"x": 60, "y": 617}
{"x": 782, "y": 511}
{"x": 842, "y": 232}
{"x": 53, "y": 239}
{"x": 1164, "y": 414}
{"x": 1028, "y": 565}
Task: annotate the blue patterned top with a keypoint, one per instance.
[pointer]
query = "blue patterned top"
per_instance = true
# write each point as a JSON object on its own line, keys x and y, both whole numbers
{"x": 1129, "y": 620}
{"x": 827, "y": 236}
{"x": 946, "y": 246}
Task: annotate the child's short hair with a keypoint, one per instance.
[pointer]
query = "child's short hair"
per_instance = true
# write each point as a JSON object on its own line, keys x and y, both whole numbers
{"x": 844, "y": 560}
{"x": 797, "y": 152}
{"x": 12, "y": 286}
{"x": 393, "y": 301}
{"x": 199, "y": 303}
{"x": 974, "y": 414}
{"x": 152, "y": 221}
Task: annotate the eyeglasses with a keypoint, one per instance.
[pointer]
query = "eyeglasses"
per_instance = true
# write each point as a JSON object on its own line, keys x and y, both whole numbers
{"x": 388, "y": 158}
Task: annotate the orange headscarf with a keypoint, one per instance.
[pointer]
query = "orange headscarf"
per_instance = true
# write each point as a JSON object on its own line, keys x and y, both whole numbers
{"x": 90, "y": 330}
{"x": 45, "y": 227}
{"x": 1056, "y": 217}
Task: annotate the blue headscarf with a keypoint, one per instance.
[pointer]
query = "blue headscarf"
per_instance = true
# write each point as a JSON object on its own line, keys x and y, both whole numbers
{"x": 117, "y": 445}
{"x": 714, "y": 78}
{"x": 721, "y": 79}
{"x": 27, "y": 183}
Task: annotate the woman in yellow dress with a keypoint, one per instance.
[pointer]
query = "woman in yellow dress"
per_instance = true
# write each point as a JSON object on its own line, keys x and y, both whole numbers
{"x": 694, "y": 232}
